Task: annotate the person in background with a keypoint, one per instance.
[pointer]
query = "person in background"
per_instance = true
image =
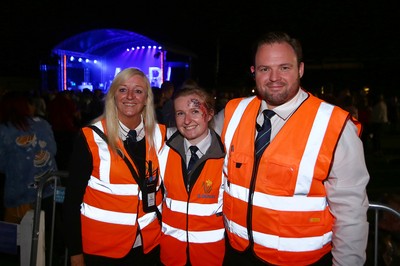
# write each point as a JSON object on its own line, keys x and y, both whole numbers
{"x": 301, "y": 201}
{"x": 96, "y": 105}
{"x": 157, "y": 104}
{"x": 379, "y": 121}
{"x": 364, "y": 117}
{"x": 64, "y": 117}
{"x": 347, "y": 101}
{"x": 39, "y": 104}
{"x": 113, "y": 198}
{"x": 27, "y": 153}
{"x": 192, "y": 224}
{"x": 167, "y": 106}
{"x": 393, "y": 113}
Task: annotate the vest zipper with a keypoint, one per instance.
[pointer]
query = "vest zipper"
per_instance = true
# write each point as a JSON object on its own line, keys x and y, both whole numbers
{"x": 249, "y": 217}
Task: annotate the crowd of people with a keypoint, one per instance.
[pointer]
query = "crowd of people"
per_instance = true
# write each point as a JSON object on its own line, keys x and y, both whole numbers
{"x": 169, "y": 177}
{"x": 378, "y": 113}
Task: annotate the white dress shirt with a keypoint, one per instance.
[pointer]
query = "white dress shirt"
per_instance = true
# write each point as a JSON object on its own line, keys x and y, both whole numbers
{"x": 203, "y": 146}
{"x": 124, "y": 130}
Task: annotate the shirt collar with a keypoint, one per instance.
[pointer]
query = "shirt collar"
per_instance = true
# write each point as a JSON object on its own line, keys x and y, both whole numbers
{"x": 203, "y": 145}
{"x": 285, "y": 110}
{"x": 123, "y": 130}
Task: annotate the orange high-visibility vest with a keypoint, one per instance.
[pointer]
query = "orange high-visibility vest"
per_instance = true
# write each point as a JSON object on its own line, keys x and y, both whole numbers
{"x": 288, "y": 217}
{"x": 112, "y": 211}
{"x": 192, "y": 221}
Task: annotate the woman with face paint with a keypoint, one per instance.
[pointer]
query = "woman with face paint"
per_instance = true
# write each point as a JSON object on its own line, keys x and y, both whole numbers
{"x": 191, "y": 168}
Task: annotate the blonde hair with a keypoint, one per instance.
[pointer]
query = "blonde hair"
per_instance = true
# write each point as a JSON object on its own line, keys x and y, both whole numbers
{"x": 111, "y": 112}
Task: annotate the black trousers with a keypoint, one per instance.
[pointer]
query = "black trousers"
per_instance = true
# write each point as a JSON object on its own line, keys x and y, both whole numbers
{"x": 247, "y": 258}
{"x": 134, "y": 257}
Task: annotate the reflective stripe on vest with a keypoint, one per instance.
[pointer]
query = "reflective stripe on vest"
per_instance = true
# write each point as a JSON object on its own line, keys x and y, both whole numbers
{"x": 295, "y": 203}
{"x": 158, "y": 138}
{"x": 162, "y": 160}
{"x": 119, "y": 189}
{"x": 108, "y": 216}
{"x": 104, "y": 154}
{"x": 283, "y": 243}
{"x": 233, "y": 123}
{"x": 312, "y": 149}
{"x": 192, "y": 208}
{"x": 194, "y": 237}
{"x": 148, "y": 218}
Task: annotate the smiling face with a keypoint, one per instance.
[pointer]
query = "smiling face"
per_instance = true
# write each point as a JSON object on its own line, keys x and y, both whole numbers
{"x": 277, "y": 73}
{"x": 192, "y": 117}
{"x": 130, "y": 99}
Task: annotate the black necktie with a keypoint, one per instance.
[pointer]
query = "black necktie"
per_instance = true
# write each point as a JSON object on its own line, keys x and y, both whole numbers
{"x": 132, "y": 136}
{"x": 264, "y": 134}
{"x": 193, "y": 158}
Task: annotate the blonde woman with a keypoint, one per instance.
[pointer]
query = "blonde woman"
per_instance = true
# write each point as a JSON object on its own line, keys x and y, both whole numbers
{"x": 113, "y": 197}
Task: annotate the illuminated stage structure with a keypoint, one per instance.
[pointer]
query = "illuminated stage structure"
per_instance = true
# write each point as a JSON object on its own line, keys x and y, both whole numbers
{"x": 90, "y": 60}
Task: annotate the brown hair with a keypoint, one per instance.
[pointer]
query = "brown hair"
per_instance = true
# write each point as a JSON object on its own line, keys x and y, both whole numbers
{"x": 16, "y": 110}
{"x": 279, "y": 37}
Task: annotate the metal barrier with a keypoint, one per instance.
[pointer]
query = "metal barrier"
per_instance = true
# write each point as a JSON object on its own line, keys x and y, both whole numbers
{"x": 379, "y": 207}
{"x": 55, "y": 177}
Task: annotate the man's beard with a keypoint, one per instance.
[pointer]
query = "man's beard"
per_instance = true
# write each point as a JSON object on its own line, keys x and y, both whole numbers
{"x": 276, "y": 99}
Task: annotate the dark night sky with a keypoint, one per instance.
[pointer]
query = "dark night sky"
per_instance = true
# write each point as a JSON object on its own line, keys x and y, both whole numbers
{"x": 331, "y": 31}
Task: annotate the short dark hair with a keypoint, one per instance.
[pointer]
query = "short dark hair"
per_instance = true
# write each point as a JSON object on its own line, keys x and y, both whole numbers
{"x": 279, "y": 37}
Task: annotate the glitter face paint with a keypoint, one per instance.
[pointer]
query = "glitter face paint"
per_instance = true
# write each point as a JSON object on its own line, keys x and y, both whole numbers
{"x": 196, "y": 104}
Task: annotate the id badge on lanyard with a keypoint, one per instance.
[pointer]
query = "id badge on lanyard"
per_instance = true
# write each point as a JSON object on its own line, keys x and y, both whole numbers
{"x": 149, "y": 189}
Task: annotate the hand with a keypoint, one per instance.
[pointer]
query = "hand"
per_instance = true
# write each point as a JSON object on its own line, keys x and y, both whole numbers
{"x": 77, "y": 260}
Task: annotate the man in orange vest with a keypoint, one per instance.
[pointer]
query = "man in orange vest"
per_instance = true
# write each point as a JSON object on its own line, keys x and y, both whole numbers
{"x": 302, "y": 200}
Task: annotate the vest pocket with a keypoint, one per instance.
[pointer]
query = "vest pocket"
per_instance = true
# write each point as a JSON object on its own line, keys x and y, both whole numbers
{"x": 277, "y": 178}
{"x": 239, "y": 168}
